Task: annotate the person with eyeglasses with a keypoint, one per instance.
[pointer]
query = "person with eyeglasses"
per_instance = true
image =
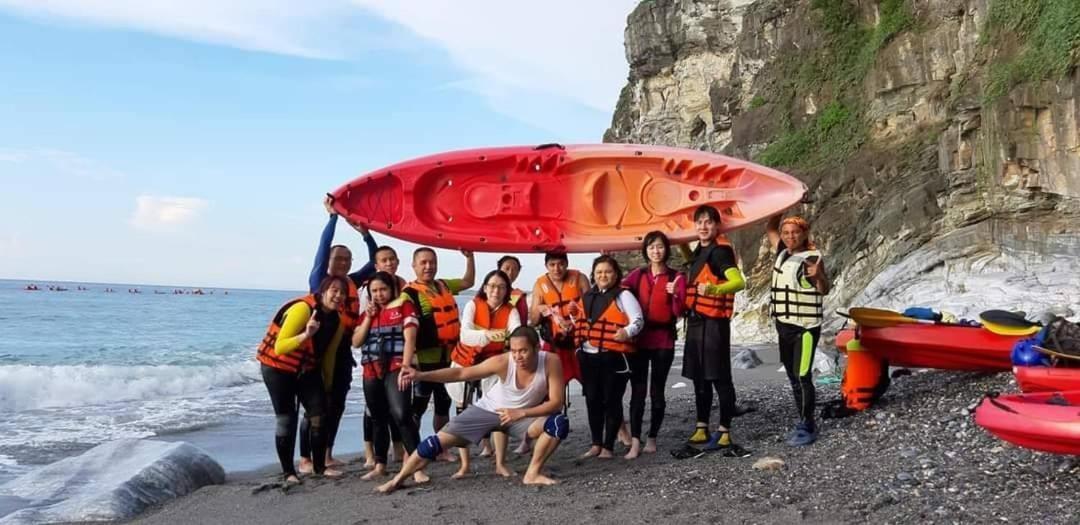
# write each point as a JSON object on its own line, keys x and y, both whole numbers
{"x": 486, "y": 321}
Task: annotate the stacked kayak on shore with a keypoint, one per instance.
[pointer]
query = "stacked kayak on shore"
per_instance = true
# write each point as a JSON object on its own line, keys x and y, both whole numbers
{"x": 1047, "y": 421}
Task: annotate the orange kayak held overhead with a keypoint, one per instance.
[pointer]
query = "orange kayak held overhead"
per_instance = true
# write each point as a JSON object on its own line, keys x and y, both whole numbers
{"x": 577, "y": 198}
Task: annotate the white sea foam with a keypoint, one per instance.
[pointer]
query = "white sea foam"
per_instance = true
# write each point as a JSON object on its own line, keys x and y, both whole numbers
{"x": 29, "y": 387}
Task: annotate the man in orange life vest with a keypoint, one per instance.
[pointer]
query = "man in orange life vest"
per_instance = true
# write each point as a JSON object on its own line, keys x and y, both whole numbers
{"x": 549, "y": 310}
{"x": 439, "y": 328}
{"x": 713, "y": 279}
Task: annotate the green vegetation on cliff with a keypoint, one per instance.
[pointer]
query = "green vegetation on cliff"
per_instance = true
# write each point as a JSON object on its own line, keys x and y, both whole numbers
{"x": 1046, "y": 34}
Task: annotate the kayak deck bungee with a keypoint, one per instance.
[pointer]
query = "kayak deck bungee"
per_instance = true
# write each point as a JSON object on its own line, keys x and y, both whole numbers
{"x": 1046, "y": 378}
{"x": 941, "y": 346}
{"x": 577, "y": 198}
{"x": 1048, "y": 421}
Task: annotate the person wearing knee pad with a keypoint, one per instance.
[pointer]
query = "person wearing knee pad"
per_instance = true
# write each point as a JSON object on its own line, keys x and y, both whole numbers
{"x": 525, "y": 402}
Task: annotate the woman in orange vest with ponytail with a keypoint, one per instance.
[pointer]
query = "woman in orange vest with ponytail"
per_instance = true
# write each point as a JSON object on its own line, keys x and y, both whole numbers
{"x": 608, "y": 317}
{"x": 300, "y": 334}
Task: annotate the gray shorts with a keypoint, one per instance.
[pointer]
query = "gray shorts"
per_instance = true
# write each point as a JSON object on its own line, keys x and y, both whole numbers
{"x": 472, "y": 424}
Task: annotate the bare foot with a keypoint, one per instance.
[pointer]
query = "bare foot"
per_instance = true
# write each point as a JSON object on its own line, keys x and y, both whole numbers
{"x": 593, "y": 451}
{"x": 305, "y": 467}
{"x": 635, "y": 449}
{"x": 504, "y": 471}
{"x": 387, "y": 487}
{"x": 333, "y": 462}
{"x": 461, "y": 473}
{"x": 523, "y": 448}
{"x": 420, "y": 477}
{"x": 378, "y": 472}
{"x": 447, "y": 457}
{"x": 369, "y": 463}
{"x": 624, "y": 435}
{"x": 485, "y": 452}
{"x": 332, "y": 473}
{"x": 399, "y": 452}
{"x": 650, "y": 446}
{"x": 606, "y": 454}
{"x": 537, "y": 479}
{"x": 291, "y": 480}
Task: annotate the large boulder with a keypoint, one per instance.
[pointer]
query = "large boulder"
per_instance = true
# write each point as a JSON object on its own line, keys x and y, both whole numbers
{"x": 112, "y": 481}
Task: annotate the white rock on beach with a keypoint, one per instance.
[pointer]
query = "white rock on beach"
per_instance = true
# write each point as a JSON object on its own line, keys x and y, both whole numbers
{"x": 112, "y": 481}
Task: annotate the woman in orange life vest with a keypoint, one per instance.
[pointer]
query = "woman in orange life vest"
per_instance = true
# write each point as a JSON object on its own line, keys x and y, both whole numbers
{"x": 799, "y": 285}
{"x": 511, "y": 266}
{"x": 300, "y": 334}
{"x": 386, "y": 260}
{"x": 386, "y": 337}
{"x": 712, "y": 280}
{"x": 486, "y": 321}
{"x": 608, "y": 317}
{"x": 661, "y": 293}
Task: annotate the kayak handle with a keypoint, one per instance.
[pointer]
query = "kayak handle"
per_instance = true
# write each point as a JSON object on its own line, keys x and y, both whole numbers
{"x": 549, "y": 146}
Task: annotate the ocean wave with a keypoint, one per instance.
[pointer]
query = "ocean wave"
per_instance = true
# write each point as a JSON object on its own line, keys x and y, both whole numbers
{"x": 31, "y": 387}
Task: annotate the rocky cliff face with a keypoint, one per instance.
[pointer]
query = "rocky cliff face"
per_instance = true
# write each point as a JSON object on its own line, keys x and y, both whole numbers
{"x": 939, "y": 138}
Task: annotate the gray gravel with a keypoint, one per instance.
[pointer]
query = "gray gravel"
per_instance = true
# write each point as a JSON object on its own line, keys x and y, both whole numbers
{"x": 918, "y": 457}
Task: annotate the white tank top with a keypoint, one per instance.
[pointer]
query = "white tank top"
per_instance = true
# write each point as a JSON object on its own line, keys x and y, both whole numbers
{"x": 505, "y": 394}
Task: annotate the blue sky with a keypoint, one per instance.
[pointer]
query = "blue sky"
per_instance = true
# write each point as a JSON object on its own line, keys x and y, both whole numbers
{"x": 189, "y": 142}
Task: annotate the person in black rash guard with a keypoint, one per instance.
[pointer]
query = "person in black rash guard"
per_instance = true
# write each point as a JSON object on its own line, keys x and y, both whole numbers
{"x": 300, "y": 335}
{"x": 337, "y": 373}
{"x": 712, "y": 280}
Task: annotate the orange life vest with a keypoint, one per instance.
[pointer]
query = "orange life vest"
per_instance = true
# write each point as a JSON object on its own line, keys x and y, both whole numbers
{"x": 701, "y": 272}
{"x": 300, "y": 360}
{"x": 558, "y": 300}
{"x": 350, "y": 307}
{"x": 442, "y": 327}
{"x": 600, "y": 330}
{"x": 484, "y": 318}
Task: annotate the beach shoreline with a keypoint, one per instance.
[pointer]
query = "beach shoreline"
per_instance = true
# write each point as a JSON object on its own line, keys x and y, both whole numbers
{"x": 916, "y": 457}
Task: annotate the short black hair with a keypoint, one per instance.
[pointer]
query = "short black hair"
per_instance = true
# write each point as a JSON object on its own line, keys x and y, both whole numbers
{"x": 529, "y": 334}
{"x": 385, "y": 248}
{"x": 342, "y": 246}
{"x": 556, "y": 256}
{"x": 416, "y": 253}
{"x": 652, "y": 237}
{"x": 707, "y": 210}
{"x": 506, "y": 258}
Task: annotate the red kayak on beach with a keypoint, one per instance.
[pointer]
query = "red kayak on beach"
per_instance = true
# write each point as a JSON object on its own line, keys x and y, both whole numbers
{"x": 1047, "y": 421}
{"x": 1047, "y": 378}
{"x": 941, "y": 346}
{"x": 576, "y": 198}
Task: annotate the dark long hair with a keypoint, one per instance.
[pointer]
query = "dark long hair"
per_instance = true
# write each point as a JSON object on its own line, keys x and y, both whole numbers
{"x": 325, "y": 284}
{"x": 482, "y": 294}
{"x": 389, "y": 280}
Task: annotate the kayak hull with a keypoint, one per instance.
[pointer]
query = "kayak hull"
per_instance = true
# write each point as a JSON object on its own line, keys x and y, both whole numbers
{"x": 1047, "y": 379}
{"x": 1035, "y": 421}
{"x": 945, "y": 347}
{"x": 577, "y": 198}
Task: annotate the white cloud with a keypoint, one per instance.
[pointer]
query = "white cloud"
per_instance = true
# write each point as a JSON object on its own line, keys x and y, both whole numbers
{"x": 521, "y": 56}
{"x": 570, "y": 49}
{"x": 286, "y": 27}
{"x": 154, "y": 213}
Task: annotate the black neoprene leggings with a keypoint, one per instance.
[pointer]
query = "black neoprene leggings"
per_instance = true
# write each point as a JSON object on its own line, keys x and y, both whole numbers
{"x": 797, "y": 346}
{"x": 642, "y": 382}
{"x": 285, "y": 388}
{"x": 603, "y": 377}
{"x": 390, "y": 407}
{"x": 335, "y": 410}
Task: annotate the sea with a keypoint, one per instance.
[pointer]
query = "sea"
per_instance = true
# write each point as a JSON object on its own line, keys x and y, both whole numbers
{"x": 85, "y": 366}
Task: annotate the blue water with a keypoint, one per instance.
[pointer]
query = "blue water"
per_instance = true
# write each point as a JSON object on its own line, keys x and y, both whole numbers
{"x": 79, "y": 368}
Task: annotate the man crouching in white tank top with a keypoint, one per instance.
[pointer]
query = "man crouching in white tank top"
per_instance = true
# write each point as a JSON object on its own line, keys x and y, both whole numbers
{"x": 526, "y": 401}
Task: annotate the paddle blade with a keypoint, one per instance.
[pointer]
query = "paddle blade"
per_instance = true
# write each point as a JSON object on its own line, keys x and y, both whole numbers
{"x": 880, "y": 318}
{"x": 1001, "y": 329}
